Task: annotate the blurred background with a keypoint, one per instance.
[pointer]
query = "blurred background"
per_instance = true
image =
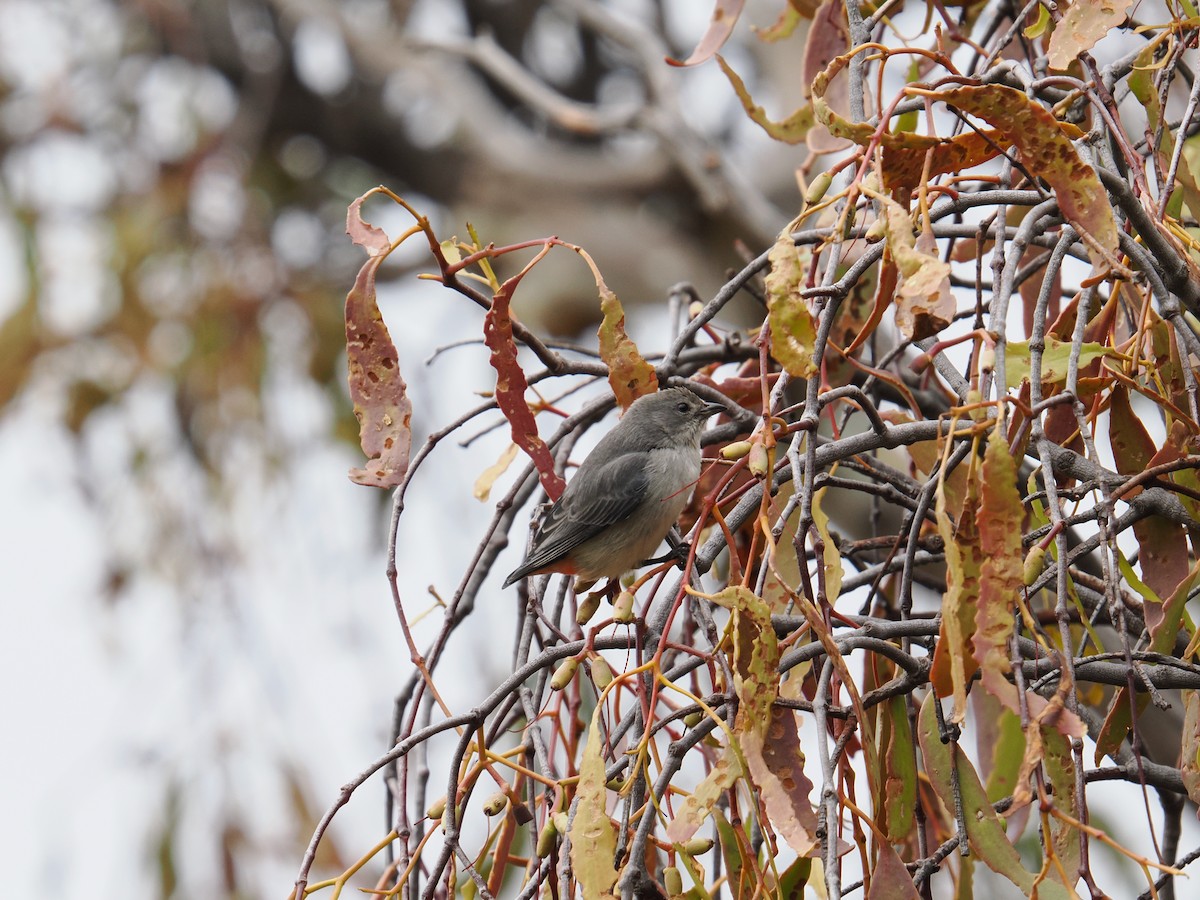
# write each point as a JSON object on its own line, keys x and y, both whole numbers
{"x": 199, "y": 645}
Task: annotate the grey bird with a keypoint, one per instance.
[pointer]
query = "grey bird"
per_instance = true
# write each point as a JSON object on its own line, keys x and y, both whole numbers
{"x": 627, "y": 494}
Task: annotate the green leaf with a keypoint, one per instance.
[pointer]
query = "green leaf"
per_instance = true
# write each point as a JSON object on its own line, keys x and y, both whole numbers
{"x": 1038, "y": 28}
{"x": 985, "y": 830}
{"x": 1055, "y": 360}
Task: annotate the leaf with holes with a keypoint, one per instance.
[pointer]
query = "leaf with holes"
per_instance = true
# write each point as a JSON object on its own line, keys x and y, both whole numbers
{"x": 1048, "y": 153}
{"x": 1081, "y": 27}
{"x": 511, "y": 383}
{"x": 377, "y": 388}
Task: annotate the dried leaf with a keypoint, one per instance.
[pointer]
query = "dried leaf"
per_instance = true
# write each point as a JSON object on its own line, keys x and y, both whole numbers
{"x": 954, "y": 664}
{"x": 629, "y": 375}
{"x": 1046, "y": 150}
{"x": 377, "y": 388}
{"x": 924, "y": 303}
{"x": 724, "y": 17}
{"x": 890, "y": 880}
{"x": 755, "y": 653}
{"x": 703, "y": 800}
{"x": 511, "y": 383}
{"x": 903, "y": 167}
{"x": 767, "y": 735}
{"x": 483, "y": 484}
{"x": 792, "y": 130}
{"x": 1001, "y": 582}
{"x": 1082, "y": 26}
{"x": 793, "y": 332}
{"x": 776, "y": 765}
{"x": 371, "y": 238}
{"x": 593, "y": 837}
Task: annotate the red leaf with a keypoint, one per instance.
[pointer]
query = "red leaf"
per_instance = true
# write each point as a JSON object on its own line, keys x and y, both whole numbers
{"x": 511, "y": 382}
{"x": 1001, "y": 582}
{"x": 724, "y": 17}
{"x": 373, "y": 240}
{"x": 1163, "y": 556}
{"x": 377, "y": 389}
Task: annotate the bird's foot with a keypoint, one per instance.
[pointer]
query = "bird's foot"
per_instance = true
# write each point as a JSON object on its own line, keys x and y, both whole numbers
{"x": 678, "y": 554}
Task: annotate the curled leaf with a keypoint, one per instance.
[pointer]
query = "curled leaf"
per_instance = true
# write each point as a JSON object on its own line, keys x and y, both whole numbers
{"x": 793, "y": 331}
{"x": 377, "y": 388}
{"x": 1047, "y": 151}
{"x": 924, "y": 302}
{"x": 511, "y": 383}
{"x": 724, "y": 17}
{"x": 483, "y": 484}
{"x": 629, "y": 375}
{"x": 792, "y": 130}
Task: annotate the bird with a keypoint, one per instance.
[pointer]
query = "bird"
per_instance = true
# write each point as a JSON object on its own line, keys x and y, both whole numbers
{"x": 627, "y": 493}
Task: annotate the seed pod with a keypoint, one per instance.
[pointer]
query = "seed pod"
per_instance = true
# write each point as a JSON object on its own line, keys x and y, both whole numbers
{"x": 623, "y": 608}
{"x": 602, "y": 675}
{"x": 736, "y": 450}
{"x": 877, "y": 231}
{"x": 495, "y": 804}
{"x": 818, "y": 188}
{"x": 587, "y": 608}
{"x": 437, "y": 808}
{"x": 692, "y": 719}
{"x": 696, "y": 846}
{"x": 672, "y": 881}
{"x": 760, "y": 461}
{"x": 1034, "y": 563}
{"x": 564, "y": 673}
{"x": 547, "y": 838}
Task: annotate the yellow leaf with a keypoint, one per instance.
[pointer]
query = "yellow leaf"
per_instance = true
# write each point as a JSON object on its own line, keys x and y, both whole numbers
{"x": 483, "y": 484}
{"x": 793, "y": 332}
{"x": 593, "y": 837}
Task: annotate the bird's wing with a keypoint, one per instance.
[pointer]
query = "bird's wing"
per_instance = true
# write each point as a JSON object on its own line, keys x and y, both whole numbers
{"x": 594, "y": 500}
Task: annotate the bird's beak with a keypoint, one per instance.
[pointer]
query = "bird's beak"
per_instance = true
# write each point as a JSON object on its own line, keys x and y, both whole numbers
{"x": 712, "y": 409}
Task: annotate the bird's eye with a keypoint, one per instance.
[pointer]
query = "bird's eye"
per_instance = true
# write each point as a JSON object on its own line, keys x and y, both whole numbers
{"x": 682, "y": 407}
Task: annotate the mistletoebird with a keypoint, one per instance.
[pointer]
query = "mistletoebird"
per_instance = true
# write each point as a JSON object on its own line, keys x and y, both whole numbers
{"x": 627, "y": 494}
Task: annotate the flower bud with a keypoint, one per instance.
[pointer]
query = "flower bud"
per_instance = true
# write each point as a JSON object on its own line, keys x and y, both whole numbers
{"x": 623, "y": 608}
{"x": 564, "y": 673}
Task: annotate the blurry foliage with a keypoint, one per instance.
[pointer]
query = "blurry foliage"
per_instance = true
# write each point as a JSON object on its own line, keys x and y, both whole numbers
{"x": 929, "y": 513}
